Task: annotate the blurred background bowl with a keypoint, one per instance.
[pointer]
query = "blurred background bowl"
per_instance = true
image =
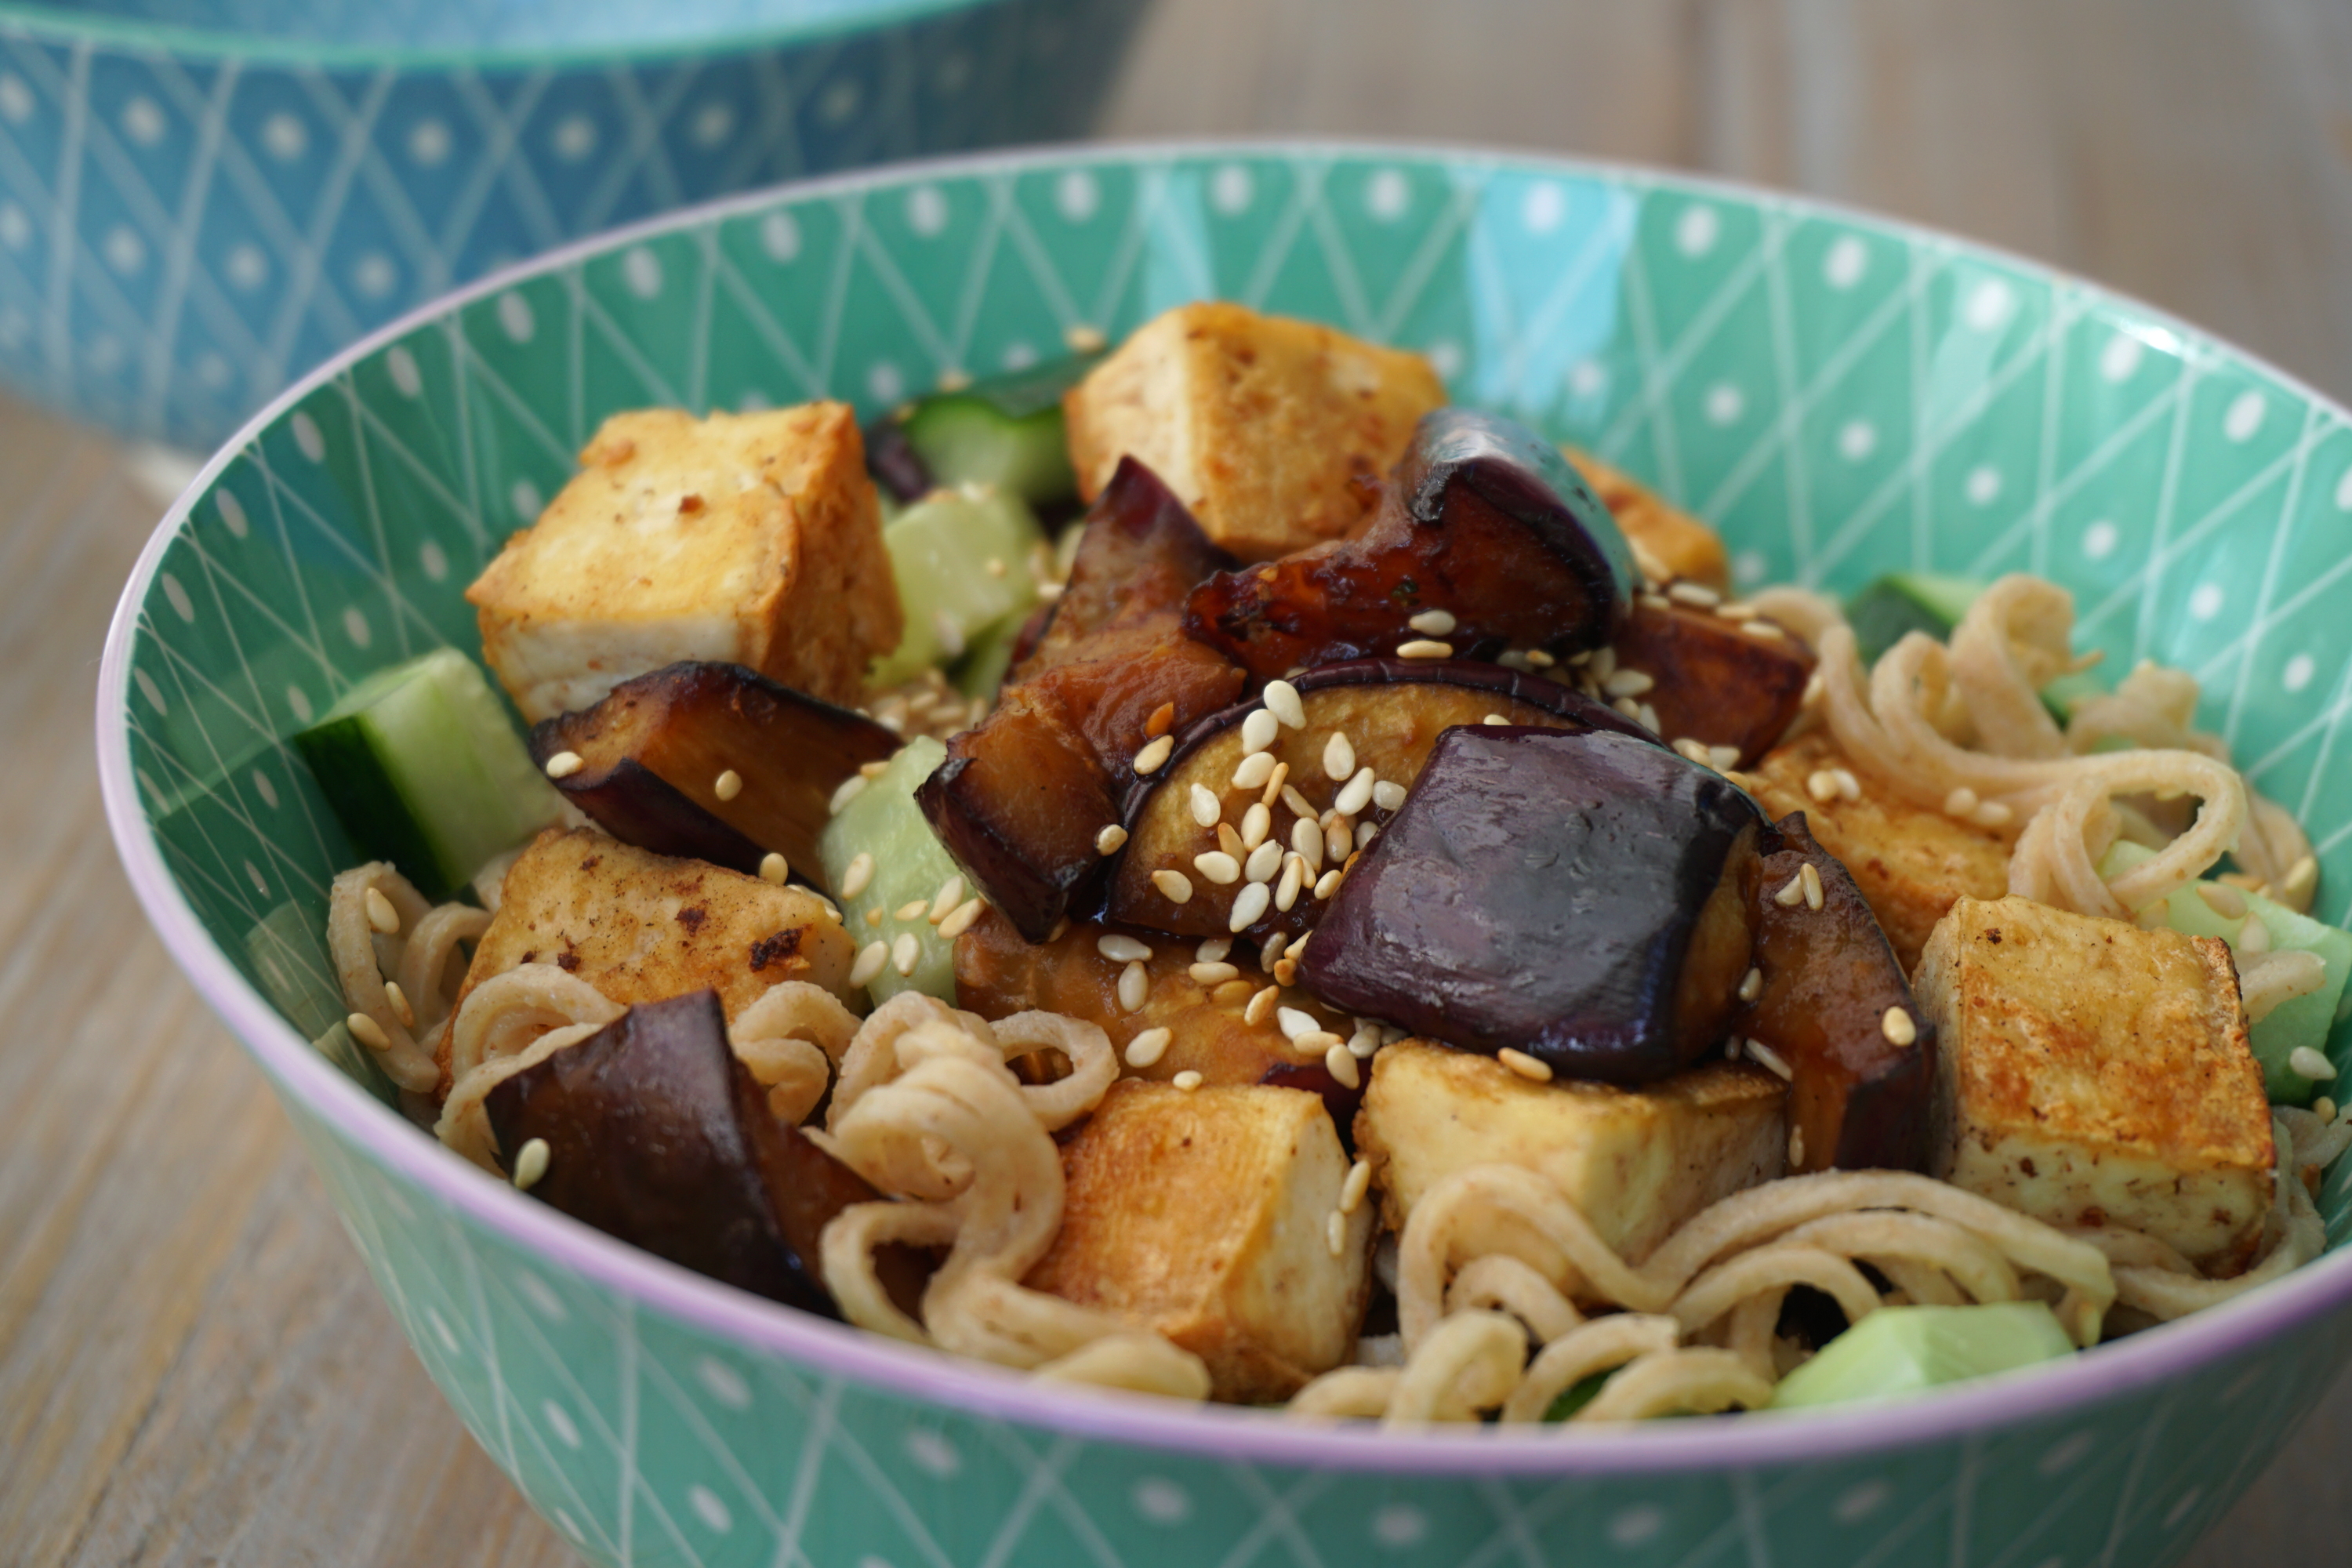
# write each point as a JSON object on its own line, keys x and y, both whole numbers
{"x": 199, "y": 199}
{"x": 1840, "y": 394}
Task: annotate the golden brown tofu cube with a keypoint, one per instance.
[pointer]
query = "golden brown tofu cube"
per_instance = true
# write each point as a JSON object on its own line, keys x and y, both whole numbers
{"x": 2091, "y": 1073}
{"x": 1276, "y": 432}
{"x": 1637, "y": 1162}
{"x": 1670, "y": 540}
{"x": 641, "y": 927}
{"x": 749, "y": 539}
{"x": 1205, "y": 1215}
{"x": 1910, "y": 861}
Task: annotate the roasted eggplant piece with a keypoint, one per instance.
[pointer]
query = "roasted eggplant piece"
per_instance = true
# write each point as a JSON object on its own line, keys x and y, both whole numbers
{"x": 653, "y": 751}
{"x": 1488, "y": 537}
{"x": 657, "y": 1135}
{"x": 1858, "y": 1093}
{"x": 1022, "y": 798}
{"x": 1578, "y": 895}
{"x": 1205, "y": 1013}
{"x": 1390, "y": 712}
{"x": 1719, "y": 682}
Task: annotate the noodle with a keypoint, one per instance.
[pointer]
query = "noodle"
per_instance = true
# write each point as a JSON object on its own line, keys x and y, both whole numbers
{"x": 363, "y": 956}
{"x": 791, "y": 1039}
{"x": 1569, "y": 1359}
{"x": 510, "y": 1021}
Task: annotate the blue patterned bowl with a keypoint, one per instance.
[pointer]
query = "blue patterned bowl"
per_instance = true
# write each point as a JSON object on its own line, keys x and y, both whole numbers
{"x": 201, "y": 198}
{"x": 1844, "y": 395}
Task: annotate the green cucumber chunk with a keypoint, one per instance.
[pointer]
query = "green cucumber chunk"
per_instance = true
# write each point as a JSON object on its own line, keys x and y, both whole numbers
{"x": 940, "y": 551}
{"x": 1890, "y": 608}
{"x": 909, "y": 863}
{"x": 288, "y": 949}
{"x": 2305, "y": 1020}
{"x": 1897, "y": 1350}
{"x": 1577, "y": 1395}
{"x": 423, "y": 768}
{"x": 1006, "y": 431}
{"x": 981, "y": 669}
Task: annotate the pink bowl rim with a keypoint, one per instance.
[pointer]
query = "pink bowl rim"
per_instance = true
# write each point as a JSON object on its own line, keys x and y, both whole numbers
{"x": 1204, "y": 1432}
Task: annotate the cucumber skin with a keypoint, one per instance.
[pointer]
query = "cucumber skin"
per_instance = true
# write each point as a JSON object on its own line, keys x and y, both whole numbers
{"x": 368, "y": 806}
{"x": 964, "y": 439}
{"x": 1886, "y": 609}
{"x": 1908, "y": 1350}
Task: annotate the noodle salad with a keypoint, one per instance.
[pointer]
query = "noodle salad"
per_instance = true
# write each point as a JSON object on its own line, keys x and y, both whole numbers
{"x": 1205, "y": 870}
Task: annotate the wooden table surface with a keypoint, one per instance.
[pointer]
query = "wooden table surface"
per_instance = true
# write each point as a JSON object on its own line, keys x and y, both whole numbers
{"x": 193, "y": 1368}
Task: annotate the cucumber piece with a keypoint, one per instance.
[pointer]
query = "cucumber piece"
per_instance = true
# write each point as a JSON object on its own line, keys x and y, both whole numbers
{"x": 909, "y": 863}
{"x": 982, "y": 670}
{"x": 423, "y": 768}
{"x": 1577, "y": 1395}
{"x": 2306, "y": 1020}
{"x": 940, "y": 549}
{"x": 288, "y": 949}
{"x": 1890, "y": 608}
{"x": 1006, "y": 431}
{"x": 1897, "y": 1350}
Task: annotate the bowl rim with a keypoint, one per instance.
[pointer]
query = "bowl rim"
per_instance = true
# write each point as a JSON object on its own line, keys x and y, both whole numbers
{"x": 59, "y": 25}
{"x": 1214, "y": 1433}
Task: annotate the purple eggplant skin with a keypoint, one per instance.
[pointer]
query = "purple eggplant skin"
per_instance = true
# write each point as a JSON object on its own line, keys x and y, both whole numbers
{"x": 1580, "y": 896}
{"x": 657, "y": 1135}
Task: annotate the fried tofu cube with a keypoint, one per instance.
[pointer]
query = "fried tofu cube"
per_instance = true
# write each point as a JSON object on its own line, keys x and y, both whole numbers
{"x": 1205, "y": 1215}
{"x": 2091, "y": 1073}
{"x": 1276, "y": 432}
{"x": 1911, "y": 862}
{"x": 1638, "y": 1162}
{"x": 1670, "y": 541}
{"x": 751, "y": 539}
{"x": 641, "y": 927}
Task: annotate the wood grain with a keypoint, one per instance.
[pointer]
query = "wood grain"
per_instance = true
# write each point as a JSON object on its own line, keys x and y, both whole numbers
{"x": 193, "y": 1367}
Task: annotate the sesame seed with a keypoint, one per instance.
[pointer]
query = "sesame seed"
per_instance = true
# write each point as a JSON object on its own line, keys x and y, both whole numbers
{"x": 1188, "y": 1080}
{"x": 949, "y": 632}
{"x": 1264, "y": 862}
{"x": 2253, "y": 937}
{"x": 1306, "y": 841}
{"x": 1697, "y": 594}
{"x": 1654, "y": 601}
{"x": 1767, "y": 1058}
{"x": 1256, "y": 823}
{"x": 1271, "y": 953}
{"x": 1353, "y": 1190}
{"x": 530, "y": 1164}
{"x": 1821, "y": 784}
{"x": 774, "y": 867}
{"x": 1174, "y": 886}
{"x": 1628, "y": 707}
{"x": 1049, "y": 591}
{"x": 1961, "y": 802}
{"x": 1299, "y": 947}
{"x": 728, "y": 786}
{"x": 1365, "y": 1041}
{"x": 1231, "y": 842}
{"x": 1790, "y": 897}
{"x": 1213, "y": 973}
{"x": 1162, "y": 718}
{"x": 2225, "y": 901}
{"x": 1764, "y": 629}
{"x": 1253, "y": 771}
{"x": 1338, "y": 757}
{"x": 1335, "y": 1233}
{"x": 1812, "y": 881}
{"x": 1061, "y": 929}
{"x": 1540, "y": 659}
{"x": 1424, "y": 647}
{"x": 2307, "y": 1063}
{"x": 1294, "y": 876}
{"x": 1282, "y": 700}
{"x": 1297, "y": 803}
{"x": 1736, "y": 611}
{"x": 1232, "y": 993}
{"x": 563, "y": 764}
{"x": 1751, "y": 985}
{"x": 1387, "y": 795}
{"x": 1149, "y": 1046}
{"x": 1147, "y": 761}
{"x": 874, "y": 917}
{"x": 1207, "y": 810}
{"x": 1121, "y": 948}
{"x": 1628, "y": 683}
{"x": 2324, "y": 1108}
{"x": 1342, "y": 1066}
{"x": 380, "y": 912}
{"x": 1494, "y": 719}
{"x": 1356, "y": 794}
{"x": 911, "y": 909}
{"x": 1339, "y": 839}
{"x": 1796, "y": 1146}
{"x": 1274, "y": 784}
{"x": 1526, "y": 1066}
{"x": 1134, "y": 988}
{"x": 1848, "y": 786}
{"x": 1261, "y": 1004}
{"x": 904, "y": 952}
{"x": 1214, "y": 949}
{"x": 1218, "y": 867}
{"x": 853, "y": 880}
{"x": 2301, "y": 878}
{"x": 1692, "y": 750}
{"x": 1286, "y": 972}
{"x": 1731, "y": 1048}
{"x": 959, "y": 919}
{"x": 948, "y": 899}
{"x": 400, "y": 1007}
{"x": 1329, "y": 883}
{"x": 994, "y": 565}
{"x": 851, "y": 788}
{"x": 1602, "y": 664}
{"x": 1085, "y": 339}
{"x": 1258, "y": 731}
{"x": 1898, "y": 1028}
{"x": 1992, "y": 813}
{"x": 1111, "y": 840}
{"x": 1249, "y": 908}
{"x": 1433, "y": 623}
{"x": 368, "y": 1032}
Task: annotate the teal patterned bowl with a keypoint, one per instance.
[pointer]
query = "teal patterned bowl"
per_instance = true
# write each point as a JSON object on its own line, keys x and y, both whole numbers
{"x": 200, "y": 199}
{"x": 1843, "y": 394}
